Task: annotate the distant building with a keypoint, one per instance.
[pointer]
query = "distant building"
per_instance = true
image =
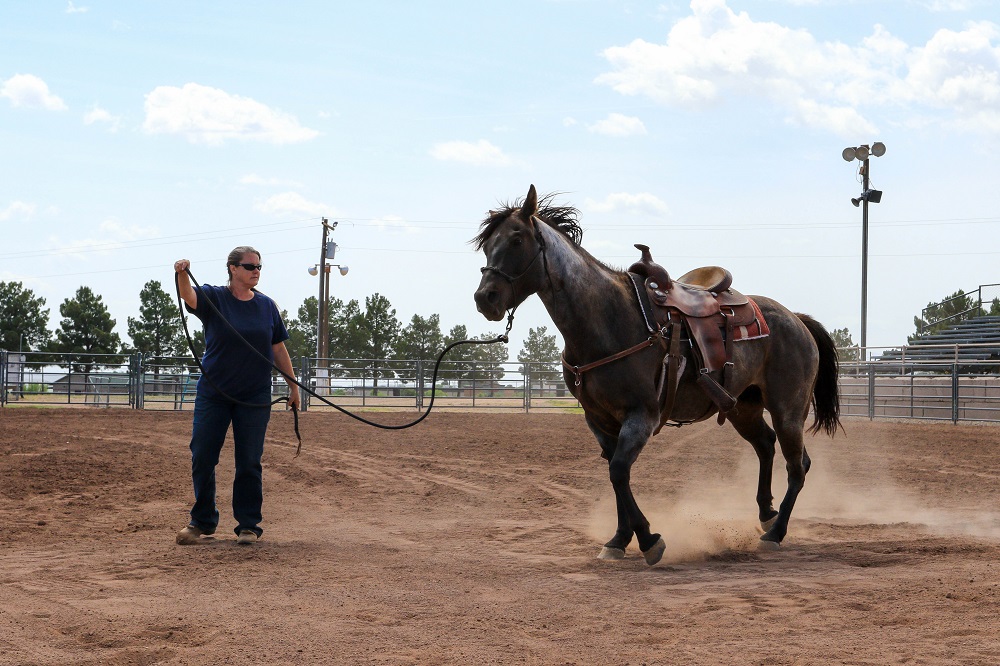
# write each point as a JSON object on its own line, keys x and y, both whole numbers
{"x": 81, "y": 383}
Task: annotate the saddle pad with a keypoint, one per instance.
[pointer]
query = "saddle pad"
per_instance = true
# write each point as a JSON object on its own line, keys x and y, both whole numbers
{"x": 756, "y": 329}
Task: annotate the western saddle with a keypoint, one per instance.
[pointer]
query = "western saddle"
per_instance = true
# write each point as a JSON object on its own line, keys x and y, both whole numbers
{"x": 702, "y": 306}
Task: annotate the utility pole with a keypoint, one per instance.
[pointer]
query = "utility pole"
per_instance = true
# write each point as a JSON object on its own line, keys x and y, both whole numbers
{"x": 327, "y": 252}
{"x": 323, "y": 317}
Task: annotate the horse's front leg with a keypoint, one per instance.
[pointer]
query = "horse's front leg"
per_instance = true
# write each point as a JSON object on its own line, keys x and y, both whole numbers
{"x": 615, "y": 548}
{"x": 634, "y": 434}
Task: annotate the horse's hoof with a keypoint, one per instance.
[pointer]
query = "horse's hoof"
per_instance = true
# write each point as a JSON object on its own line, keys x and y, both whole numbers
{"x": 655, "y": 552}
{"x": 611, "y": 554}
{"x": 768, "y": 546}
{"x": 768, "y": 524}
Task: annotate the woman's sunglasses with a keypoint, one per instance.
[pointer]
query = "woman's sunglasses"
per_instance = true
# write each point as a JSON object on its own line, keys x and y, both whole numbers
{"x": 251, "y": 267}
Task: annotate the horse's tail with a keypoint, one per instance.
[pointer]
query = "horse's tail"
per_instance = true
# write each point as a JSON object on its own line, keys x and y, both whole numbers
{"x": 826, "y": 395}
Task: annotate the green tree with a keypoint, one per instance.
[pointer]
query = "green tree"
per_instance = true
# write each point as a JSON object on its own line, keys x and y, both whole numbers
{"x": 945, "y": 313}
{"x": 994, "y": 307}
{"x": 198, "y": 342}
{"x": 541, "y": 354}
{"x": 86, "y": 328}
{"x": 847, "y": 350}
{"x": 490, "y": 358}
{"x": 157, "y": 332}
{"x": 197, "y": 334}
{"x": 420, "y": 340}
{"x": 458, "y": 362}
{"x": 302, "y": 329}
{"x": 473, "y": 362}
{"x": 348, "y": 335}
{"x": 381, "y": 328}
{"x": 22, "y": 318}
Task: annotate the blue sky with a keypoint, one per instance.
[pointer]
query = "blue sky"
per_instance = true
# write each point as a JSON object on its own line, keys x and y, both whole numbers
{"x": 136, "y": 133}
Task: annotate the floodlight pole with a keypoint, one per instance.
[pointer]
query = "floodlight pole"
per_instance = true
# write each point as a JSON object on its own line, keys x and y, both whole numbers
{"x": 864, "y": 260}
{"x": 862, "y": 153}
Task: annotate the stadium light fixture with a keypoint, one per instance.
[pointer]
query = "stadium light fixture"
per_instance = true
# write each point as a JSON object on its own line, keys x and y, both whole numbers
{"x": 874, "y": 196}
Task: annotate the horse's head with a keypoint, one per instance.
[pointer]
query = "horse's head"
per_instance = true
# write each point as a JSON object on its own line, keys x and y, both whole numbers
{"x": 513, "y": 245}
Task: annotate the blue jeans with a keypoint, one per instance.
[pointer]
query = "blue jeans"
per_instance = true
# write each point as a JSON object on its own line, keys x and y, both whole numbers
{"x": 212, "y": 417}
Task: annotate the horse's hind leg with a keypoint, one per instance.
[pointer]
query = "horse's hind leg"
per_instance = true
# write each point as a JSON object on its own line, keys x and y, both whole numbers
{"x": 750, "y": 424}
{"x": 789, "y": 431}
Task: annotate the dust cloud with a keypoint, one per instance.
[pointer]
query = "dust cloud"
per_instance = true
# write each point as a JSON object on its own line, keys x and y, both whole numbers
{"x": 708, "y": 514}
{"x": 855, "y": 490}
{"x": 712, "y": 511}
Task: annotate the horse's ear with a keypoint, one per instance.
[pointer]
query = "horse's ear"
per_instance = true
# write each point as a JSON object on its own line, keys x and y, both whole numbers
{"x": 530, "y": 205}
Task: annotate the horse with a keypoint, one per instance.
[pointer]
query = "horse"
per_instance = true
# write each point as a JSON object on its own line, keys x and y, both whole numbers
{"x": 534, "y": 247}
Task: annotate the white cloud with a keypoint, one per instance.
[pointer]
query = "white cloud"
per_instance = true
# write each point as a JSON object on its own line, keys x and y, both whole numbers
{"x": 205, "y": 115}
{"x": 716, "y": 55}
{"x": 953, "y": 5}
{"x": 115, "y": 230}
{"x": 842, "y": 120}
{"x": 617, "y": 124}
{"x": 18, "y": 209}
{"x": 112, "y": 236}
{"x": 73, "y": 9}
{"x": 481, "y": 153}
{"x": 643, "y": 202}
{"x": 99, "y": 115}
{"x": 569, "y": 121}
{"x": 31, "y": 92}
{"x": 959, "y": 70}
{"x": 293, "y": 203}
{"x": 254, "y": 179}
{"x": 394, "y": 223}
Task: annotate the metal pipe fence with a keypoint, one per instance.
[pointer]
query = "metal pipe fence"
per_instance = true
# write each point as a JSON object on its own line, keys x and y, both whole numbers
{"x": 138, "y": 382}
{"x": 958, "y": 390}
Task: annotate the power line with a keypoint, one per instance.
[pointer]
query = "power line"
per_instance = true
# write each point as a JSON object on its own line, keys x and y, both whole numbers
{"x": 713, "y": 257}
{"x": 216, "y": 234}
{"x": 145, "y": 242}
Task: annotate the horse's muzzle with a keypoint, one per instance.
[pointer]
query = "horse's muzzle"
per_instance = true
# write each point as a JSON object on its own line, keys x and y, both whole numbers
{"x": 488, "y": 302}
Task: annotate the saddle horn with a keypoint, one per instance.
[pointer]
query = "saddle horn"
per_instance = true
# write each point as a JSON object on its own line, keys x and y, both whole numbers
{"x": 650, "y": 269}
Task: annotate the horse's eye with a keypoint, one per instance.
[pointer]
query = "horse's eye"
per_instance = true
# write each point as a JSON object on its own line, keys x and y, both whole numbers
{"x": 516, "y": 240}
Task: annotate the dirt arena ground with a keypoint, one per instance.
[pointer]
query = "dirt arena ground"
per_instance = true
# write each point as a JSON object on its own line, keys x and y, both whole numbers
{"x": 471, "y": 539}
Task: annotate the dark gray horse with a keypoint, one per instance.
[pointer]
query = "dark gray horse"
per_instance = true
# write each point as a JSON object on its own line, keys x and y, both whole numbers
{"x": 533, "y": 247}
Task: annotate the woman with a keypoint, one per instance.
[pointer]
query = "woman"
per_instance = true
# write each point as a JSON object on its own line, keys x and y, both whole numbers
{"x": 233, "y": 374}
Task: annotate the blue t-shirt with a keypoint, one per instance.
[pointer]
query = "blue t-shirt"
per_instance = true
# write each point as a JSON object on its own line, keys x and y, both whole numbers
{"x": 228, "y": 362}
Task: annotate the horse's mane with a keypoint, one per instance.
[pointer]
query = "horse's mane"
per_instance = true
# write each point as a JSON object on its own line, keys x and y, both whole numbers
{"x": 561, "y": 218}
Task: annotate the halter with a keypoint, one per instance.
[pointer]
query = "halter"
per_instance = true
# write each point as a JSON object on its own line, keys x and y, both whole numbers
{"x": 510, "y": 279}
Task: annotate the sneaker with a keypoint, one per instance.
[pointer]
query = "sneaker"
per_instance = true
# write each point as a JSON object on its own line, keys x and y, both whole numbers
{"x": 246, "y": 537}
{"x": 192, "y": 535}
